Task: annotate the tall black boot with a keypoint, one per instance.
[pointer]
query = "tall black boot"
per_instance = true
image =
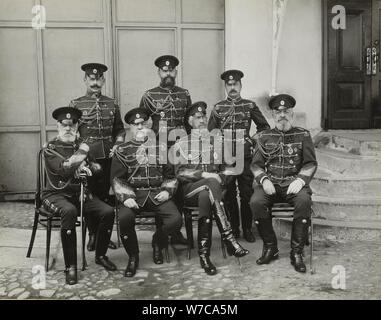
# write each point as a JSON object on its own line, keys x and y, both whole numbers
{"x": 159, "y": 242}
{"x": 101, "y": 246}
{"x": 130, "y": 243}
{"x": 232, "y": 245}
{"x": 232, "y": 207}
{"x": 270, "y": 245}
{"x": 69, "y": 248}
{"x": 204, "y": 240}
{"x": 299, "y": 236}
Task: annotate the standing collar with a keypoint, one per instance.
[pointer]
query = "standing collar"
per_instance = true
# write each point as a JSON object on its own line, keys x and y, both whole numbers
{"x": 234, "y": 100}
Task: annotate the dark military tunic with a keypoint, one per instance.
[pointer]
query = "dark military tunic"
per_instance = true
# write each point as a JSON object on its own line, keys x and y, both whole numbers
{"x": 166, "y": 105}
{"x": 101, "y": 124}
{"x": 236, "y": 114}
{"x": 283, "y": 157}
{"x": 137, "y": 173}
{"x": 101, "y": 127}
{"x": 195, "y": 155}
{"x": 62, "y": 191}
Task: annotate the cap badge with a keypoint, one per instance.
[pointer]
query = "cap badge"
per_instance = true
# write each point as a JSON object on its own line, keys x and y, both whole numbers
{"x": 230, "y": 77}
{"x": 137, "y": 116}
{"x": 68, "y": 115}
{"x": 282, "y": 102}
{"x": 167, "y": 63}
{"x": 95, "y": 71}
{"x": 199, "y": 109}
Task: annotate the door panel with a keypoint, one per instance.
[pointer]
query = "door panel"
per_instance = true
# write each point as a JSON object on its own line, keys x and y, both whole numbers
{"x": 62, "y": 62}
{"x": 201, "y": 74}
{"x": 136, "y": 52}
{"x": 376, "y": 78}
{"x": 349, "y": 88}
{"x": 18, "y": 83}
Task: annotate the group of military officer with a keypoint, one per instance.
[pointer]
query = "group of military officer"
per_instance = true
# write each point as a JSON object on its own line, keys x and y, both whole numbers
{"x": 91, "y": 142}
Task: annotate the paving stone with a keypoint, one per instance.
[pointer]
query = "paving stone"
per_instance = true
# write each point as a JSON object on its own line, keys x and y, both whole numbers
{"x": 47, "y": 293}
{"x": 3, "y": 291}
{"x": 24, "y": 295}
{"x": 13, "y": 286}
{"x": 15, "y": 292}
{"x": 108, "y": 292}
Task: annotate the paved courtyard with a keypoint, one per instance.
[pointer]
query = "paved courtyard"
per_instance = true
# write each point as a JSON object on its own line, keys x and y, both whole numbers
{"x": 183, "y": 278}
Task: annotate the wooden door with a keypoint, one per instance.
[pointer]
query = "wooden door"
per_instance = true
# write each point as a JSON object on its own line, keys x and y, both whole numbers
{"x": 375, "y": 61}
{"x": 349, "y": 75}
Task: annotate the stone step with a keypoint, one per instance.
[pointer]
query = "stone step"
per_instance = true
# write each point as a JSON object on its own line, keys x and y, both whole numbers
{"x": 348, "y": 164}
{"x": 361, "y": 142}
{"x": 364, "y": 211}
{"x": 326, "y": 183}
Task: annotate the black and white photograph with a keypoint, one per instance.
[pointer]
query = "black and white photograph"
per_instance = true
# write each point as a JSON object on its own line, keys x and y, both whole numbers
{"x": 202, "y": 152}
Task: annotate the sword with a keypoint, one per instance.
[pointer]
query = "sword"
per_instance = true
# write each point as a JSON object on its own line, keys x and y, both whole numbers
{"x": 82, "y": 177}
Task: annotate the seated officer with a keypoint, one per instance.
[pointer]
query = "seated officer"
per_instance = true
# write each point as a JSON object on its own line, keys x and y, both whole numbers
{"x": 141, "y": 184}
{"x": 65, "y": 158}
{"x": 283, "y": 165}
{"x": 203, "y": 184}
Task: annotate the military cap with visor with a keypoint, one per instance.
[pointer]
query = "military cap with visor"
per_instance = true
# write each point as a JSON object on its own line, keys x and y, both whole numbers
{"x": 229, "y": 75}
{"x": 136, "y": 115}
{"x": 167, "y": 62}
{"x": 197, "y": 108}
{"x": 96, "y": 69}
{"x": 281, "y": 102}
{"x": 67, "y": 113}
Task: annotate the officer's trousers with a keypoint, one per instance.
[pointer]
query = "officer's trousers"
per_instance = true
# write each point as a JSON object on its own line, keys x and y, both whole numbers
{"x": 169, "y": 216}
{"x": 201, "y": 199}
{"x": 94, "y": 209}
{"x": 245, "y": 182}
{"x": 261, "y": 202}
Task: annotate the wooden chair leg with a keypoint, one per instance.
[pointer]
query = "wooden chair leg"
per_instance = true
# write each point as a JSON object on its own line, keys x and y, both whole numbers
{"x": 33, "y": 236}
{"x": 48, "y": 237}
{"x": 189, "y": 231}
{"x": 312, "y": 247}
{"x": 117, "y": 227}
{"x": 223, "y": 249}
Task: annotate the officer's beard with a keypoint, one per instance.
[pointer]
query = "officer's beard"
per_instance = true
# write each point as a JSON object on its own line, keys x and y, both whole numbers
{"x": 167, "y": 82}
{"x": 283, "y": 125}
{"x": 67, "y": 136}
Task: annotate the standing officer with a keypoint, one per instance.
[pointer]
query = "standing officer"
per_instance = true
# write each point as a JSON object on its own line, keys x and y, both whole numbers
{"x": 237, "y": 113}
{"x": 101, "y": 127}
{"x": 167, "y": 103}
{"x": 142, "y": 183}
{"x": 283, "y": 165}
{"x": 203, "y": 181}
{"x": 65, "y": 158}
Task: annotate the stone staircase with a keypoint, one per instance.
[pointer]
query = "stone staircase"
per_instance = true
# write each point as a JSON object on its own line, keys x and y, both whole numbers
{"x": 347, "y": 185}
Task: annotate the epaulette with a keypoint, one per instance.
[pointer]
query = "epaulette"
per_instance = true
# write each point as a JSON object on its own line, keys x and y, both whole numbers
{"x": 306, "y": 132}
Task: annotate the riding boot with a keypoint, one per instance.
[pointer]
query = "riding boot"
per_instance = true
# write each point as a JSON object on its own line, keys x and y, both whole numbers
{"x": 159, "y": 242}
{"x": 270, "y": 246}
{"x": 130, "y": 243}
{"x": 231, "y": 206}
{"x": 299, "y": 235}
{"x": 204, "y": 240}
{"x": 232, "y": 245}
{"x": 101, "y": 246}
{"x": 69, "y": 248}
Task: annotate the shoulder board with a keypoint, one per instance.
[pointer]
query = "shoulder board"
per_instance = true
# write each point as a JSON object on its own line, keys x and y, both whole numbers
{"x": 300, "y": 129}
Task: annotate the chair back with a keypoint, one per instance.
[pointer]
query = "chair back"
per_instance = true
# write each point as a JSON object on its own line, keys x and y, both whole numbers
{"x": 40, "y": 174}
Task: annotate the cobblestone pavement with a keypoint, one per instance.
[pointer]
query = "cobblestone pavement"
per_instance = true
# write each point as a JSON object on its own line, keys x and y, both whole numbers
{"x": 183, "y": 278}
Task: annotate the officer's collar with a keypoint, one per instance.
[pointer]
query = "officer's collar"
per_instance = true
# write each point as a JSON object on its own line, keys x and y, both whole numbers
{"x": 93, "y": 95}
{"x": 234, "y": 100}
{"x": 167, "y": 88}
{"x": 277, "y": 130}
{"x": 139, "y": 142}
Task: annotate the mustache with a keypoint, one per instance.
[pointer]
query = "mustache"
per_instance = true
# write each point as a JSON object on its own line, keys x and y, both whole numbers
{"x": 233, "y": 91}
